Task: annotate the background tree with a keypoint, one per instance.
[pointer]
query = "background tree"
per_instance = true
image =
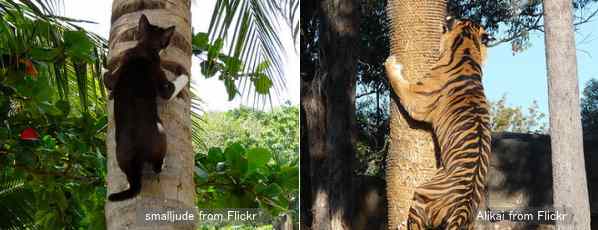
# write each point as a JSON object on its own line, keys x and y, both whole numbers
{"x": 569, "y": 183}
{"x": 504, "y": 118}
{"x": 589, "y": 107}
{"x": 328, "y": 106}
{"x": 176, "y": 180}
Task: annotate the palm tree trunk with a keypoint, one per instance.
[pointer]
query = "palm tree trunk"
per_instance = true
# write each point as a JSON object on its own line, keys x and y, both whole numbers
{"x": 569, "y": 182}
{"x": 175, "y": 183}
{"x": 416, "y": 27}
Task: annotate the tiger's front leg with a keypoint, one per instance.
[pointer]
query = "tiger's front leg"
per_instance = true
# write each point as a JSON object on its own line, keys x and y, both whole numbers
{"x": 414, "y": 99}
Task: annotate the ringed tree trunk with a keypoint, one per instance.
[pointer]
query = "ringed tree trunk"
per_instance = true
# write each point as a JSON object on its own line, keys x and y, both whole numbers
{"x": 569, "y": 182}
{"x": 174, "y": 187}
{"x": 328, "y": 103}
{"x": 416, "y": 28}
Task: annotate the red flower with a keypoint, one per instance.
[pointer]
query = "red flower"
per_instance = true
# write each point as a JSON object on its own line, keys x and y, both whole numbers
{"x": 29, "y": 134}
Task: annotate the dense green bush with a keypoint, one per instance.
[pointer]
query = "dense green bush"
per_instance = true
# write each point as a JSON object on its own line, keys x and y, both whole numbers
{"x": 249, "y": 159}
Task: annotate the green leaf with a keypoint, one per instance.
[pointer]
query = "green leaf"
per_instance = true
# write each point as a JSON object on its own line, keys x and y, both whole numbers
{"x": 78, "y": 45}
{"x": 257, "y": 158}
{"x": 232, "y": 65}
{"x": 262, "y": 84}
{"x": 214, "y": 49}
{"x": 200, "y": 42}
{"x": 209, "y": 68}
{"x": 231, "y": 88}
{"x": 234, "y": 158}
{"x": 44, "y": 54}
{"x": 215, "y": 155}
{"x": 262, "y": 66}
{"x": 63, "y": 106}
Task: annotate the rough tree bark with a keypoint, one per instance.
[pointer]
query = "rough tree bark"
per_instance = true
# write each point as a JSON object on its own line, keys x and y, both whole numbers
{"x": 175, "y": 183}
{"x": 416, "y": 28}
{"x": 569, "y": 182}
{"x": 328, "y": 106}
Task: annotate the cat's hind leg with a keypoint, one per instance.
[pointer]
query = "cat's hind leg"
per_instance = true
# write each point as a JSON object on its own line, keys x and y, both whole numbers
{"x": 158, "y": 150}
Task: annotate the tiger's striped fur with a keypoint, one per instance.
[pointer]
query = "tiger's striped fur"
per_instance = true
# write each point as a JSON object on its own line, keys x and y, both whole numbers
{"x": 452, "y": 99}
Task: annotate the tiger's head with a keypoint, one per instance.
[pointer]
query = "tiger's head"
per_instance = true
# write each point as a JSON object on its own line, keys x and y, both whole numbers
{"x": 460, "y": 35}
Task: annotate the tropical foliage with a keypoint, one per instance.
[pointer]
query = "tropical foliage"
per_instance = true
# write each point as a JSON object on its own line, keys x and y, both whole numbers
{"x": 251, "y": 160}
{"x": 50, "y": 90}
{"x": 255, "y": 51}
{"x": 53, "y": 122}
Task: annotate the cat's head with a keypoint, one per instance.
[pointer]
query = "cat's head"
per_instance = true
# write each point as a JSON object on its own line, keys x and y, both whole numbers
{"x": 156, "y": 38}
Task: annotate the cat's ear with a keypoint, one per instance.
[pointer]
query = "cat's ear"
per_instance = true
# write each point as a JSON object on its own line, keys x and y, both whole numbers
{"x": 165, "y": 39}
{"x": 143, "y": 24}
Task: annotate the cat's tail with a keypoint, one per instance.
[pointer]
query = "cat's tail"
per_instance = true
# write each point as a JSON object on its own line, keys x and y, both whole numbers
{"x": 134, "y": 174}
{"x": 133, "y": 190}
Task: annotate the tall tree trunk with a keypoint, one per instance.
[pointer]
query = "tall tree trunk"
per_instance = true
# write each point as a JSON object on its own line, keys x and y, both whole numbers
{"x": 416, "y": 28}
{"x": 569, "y": 182}
{"x": 175, "y": 183}
{"x": 328, "y": 103}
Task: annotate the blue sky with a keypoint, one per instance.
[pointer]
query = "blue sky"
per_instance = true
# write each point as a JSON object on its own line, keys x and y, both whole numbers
{"x": 523, "y": 77}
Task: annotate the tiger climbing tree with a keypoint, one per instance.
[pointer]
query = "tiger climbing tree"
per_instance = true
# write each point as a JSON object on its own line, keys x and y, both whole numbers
{"x": 416, "y": 28}
{"x": 174, "y": 187}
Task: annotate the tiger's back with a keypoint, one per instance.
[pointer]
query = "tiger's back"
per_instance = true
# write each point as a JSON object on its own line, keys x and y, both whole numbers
{"x": 453, "y": 101}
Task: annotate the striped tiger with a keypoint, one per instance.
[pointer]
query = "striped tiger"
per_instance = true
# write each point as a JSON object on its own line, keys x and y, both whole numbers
{"x": 452, "y": 99}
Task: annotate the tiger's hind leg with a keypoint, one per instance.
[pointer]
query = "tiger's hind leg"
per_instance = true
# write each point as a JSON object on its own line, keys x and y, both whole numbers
{"x": 418, "y": 99}
{"x": 438, "y": 204}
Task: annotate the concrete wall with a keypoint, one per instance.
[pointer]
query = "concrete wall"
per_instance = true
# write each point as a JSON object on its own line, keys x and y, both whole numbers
{"x": 520, "y": 176}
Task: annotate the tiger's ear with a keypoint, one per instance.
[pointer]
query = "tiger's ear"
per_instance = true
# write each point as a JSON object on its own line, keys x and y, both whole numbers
{"x": 449, "y": 23}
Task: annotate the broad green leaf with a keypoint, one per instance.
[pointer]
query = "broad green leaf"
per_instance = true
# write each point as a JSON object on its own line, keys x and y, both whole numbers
{"x": 44, "y": 54}
{"x": 78, "y": 45}
{"x": 235, "y": 159}
{"x": 232, "y": 65}
{"x": 214, "y": 50}
{"x": 200, "y": 42}
{"x": 262, "y": 67}
{"x": 231, "y": 88}
{"x": 262, "y": 84}
{"x": 215, "y": 155}
{"x": 257, "y": 158}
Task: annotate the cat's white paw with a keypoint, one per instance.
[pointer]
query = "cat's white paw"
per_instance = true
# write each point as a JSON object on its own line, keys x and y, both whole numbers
{"x": 179, "y": 83}
{"x": 160, "y": 127}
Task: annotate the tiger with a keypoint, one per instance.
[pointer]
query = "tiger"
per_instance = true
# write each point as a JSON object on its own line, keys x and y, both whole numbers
{"x": 451, "y": 98}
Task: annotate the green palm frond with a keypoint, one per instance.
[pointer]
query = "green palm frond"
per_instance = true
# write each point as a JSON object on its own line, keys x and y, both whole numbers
{"x": 197, "y": 122}
{"x": 60, "y": 50}
{"x": 250, "y": 28}
{"x": 16, "y": 202}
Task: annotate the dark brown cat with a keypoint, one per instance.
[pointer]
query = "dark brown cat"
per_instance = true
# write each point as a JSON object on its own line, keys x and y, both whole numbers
{"x": 135, "y": 84}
